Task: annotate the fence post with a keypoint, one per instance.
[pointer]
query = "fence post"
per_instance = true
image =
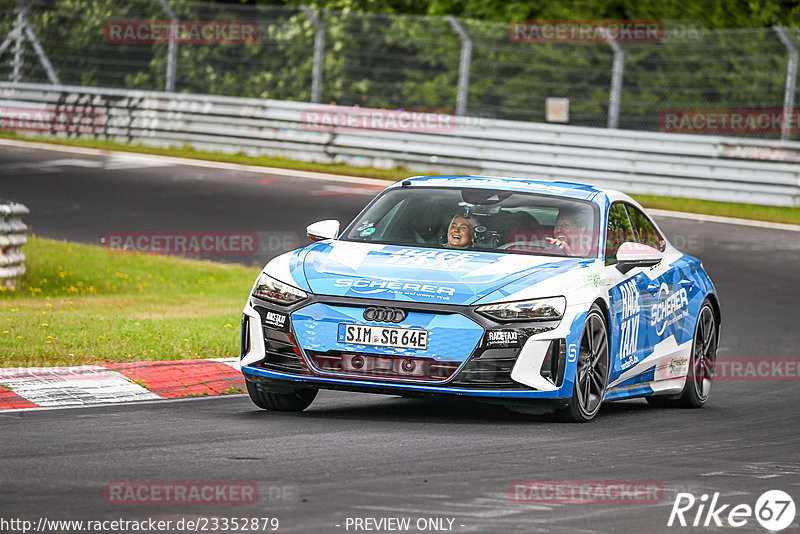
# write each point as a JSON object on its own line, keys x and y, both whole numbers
{"x": 19, "y": 57}
{"x": 319, "y": 54}
{"x": 791, "y": 80}
{"x": 464, "y": 64}
{"x": 172, "y": 50}
{"x": 616, "y": 80}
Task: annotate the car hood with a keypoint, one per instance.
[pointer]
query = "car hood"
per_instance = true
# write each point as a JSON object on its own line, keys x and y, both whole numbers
{"x": 413, "y": 274}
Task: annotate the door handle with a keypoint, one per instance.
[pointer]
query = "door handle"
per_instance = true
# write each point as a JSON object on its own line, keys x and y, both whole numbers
{"x": 652, "y": 287}
{"x": 686, "y": 283}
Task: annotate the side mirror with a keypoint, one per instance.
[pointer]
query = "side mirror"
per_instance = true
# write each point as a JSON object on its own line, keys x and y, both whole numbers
{"x": 630, "y": 255}
{"x": 320, "y": 230}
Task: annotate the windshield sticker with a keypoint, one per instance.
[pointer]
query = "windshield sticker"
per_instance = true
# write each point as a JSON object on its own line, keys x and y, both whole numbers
{"x": 436, "y": 260}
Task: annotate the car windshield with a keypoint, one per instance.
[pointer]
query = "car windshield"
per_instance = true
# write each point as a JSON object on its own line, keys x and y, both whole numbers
{"x": 479, "y": 219}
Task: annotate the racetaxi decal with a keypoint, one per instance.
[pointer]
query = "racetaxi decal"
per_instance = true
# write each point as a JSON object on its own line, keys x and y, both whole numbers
{"x": 275, "y": 320}
{"x": 629, "y": 333}
{"x": 364, "y": 286}
{"x": 670, "y": 308}
{"x": 502, "y": 338}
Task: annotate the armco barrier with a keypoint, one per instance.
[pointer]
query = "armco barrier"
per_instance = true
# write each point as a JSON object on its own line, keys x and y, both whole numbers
{"x": 12, "y": 237}
{"x": 711, "y": 167}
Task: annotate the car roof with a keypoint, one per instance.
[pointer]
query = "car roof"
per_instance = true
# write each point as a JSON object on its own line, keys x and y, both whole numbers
{"x": 555, "y": 188}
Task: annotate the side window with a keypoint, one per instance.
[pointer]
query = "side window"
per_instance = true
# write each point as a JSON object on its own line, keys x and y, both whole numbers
{"x": 646, "y": 232}
{"x": 619, "y": 231}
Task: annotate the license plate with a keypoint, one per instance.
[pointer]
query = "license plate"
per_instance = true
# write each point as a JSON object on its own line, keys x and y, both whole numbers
{"x": 383, "y": 336}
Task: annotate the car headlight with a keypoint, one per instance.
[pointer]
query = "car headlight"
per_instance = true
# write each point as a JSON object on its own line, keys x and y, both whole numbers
{"x": 526, "y": 310}
{"x": 268, "y": 288}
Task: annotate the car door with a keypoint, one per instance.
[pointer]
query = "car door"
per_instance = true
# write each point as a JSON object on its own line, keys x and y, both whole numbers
{"x": 666, "y": 301}
{"x": 628, "y": 294}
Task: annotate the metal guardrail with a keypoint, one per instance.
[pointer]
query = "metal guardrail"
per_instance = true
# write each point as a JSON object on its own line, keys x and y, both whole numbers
{"x": 693, "y": 166}
{"x": 12, "y": 237}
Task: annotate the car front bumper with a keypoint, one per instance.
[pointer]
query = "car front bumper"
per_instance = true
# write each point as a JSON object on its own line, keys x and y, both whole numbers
{"x": 282, "y": 354}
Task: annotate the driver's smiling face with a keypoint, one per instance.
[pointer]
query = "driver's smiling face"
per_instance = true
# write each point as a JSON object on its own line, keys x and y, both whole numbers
{"x": 460, "y": 233}
{"x": 565, "y": 226}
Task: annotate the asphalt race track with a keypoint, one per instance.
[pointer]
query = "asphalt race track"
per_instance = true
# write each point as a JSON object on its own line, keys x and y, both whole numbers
{"x": 360, "y": 456}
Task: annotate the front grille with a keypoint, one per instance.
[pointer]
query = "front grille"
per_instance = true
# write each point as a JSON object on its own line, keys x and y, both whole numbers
{"x": 490, "y": 369}
{"x": 364, "y": 365}
{"x": 281, "y": 353}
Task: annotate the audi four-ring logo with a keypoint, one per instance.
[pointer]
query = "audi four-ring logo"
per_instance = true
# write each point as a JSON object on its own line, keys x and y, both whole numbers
{"x": 384, "y": 315}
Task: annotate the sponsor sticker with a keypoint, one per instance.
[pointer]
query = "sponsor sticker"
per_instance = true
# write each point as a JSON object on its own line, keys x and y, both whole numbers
{"x": 276, "y": 320}
{"x": 670, "y": 307}
{"x": 364, "y": 286}
{"x": 501, "y": 338}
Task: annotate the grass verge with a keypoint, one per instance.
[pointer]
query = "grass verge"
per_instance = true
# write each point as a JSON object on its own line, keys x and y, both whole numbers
{"x": 83, "y": 304}
{"x": 707, "y": 207}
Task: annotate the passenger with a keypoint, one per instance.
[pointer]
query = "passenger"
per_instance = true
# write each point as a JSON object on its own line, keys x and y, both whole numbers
{"x": 461, "y": 232}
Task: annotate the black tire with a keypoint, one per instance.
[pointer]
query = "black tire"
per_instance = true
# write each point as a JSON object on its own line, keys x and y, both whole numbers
{"x": 591, "y": 370}
{"x": 701, "y": 365}
{"x": 297, "y": 401}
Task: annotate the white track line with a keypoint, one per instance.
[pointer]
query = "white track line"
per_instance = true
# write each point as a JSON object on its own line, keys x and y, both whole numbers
{"x": 724, "y": 220}
{"x": 170, "y": 160}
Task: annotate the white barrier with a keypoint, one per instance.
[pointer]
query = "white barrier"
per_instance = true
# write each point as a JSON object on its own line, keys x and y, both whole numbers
{"x": 733, "y": 169}
{"x": 12, "y": 237}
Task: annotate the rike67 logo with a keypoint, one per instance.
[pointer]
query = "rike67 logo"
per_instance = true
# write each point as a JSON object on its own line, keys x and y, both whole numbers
{"x": 774, "y": 510}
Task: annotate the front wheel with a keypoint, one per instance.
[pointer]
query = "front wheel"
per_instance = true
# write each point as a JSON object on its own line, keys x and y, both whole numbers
{"x": 296, "y": 401}
{"x": 591, "y": 374}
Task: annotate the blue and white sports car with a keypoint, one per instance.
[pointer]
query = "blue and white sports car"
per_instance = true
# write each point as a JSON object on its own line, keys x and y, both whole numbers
{"x": 540, "y": 296}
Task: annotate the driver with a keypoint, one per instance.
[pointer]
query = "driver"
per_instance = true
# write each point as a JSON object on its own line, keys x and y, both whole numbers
{"x": 568, "y": 230}
{"x": 460, "y": 232}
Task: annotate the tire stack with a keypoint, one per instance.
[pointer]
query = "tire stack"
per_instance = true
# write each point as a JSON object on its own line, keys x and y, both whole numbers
{"x": 12, "y": 237}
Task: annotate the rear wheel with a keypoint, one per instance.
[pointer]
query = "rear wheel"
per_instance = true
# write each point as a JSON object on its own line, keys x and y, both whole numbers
{"x": 296, "y": 401}
{"x": 591, "y": 374}
{"x": 701, "y": 364}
